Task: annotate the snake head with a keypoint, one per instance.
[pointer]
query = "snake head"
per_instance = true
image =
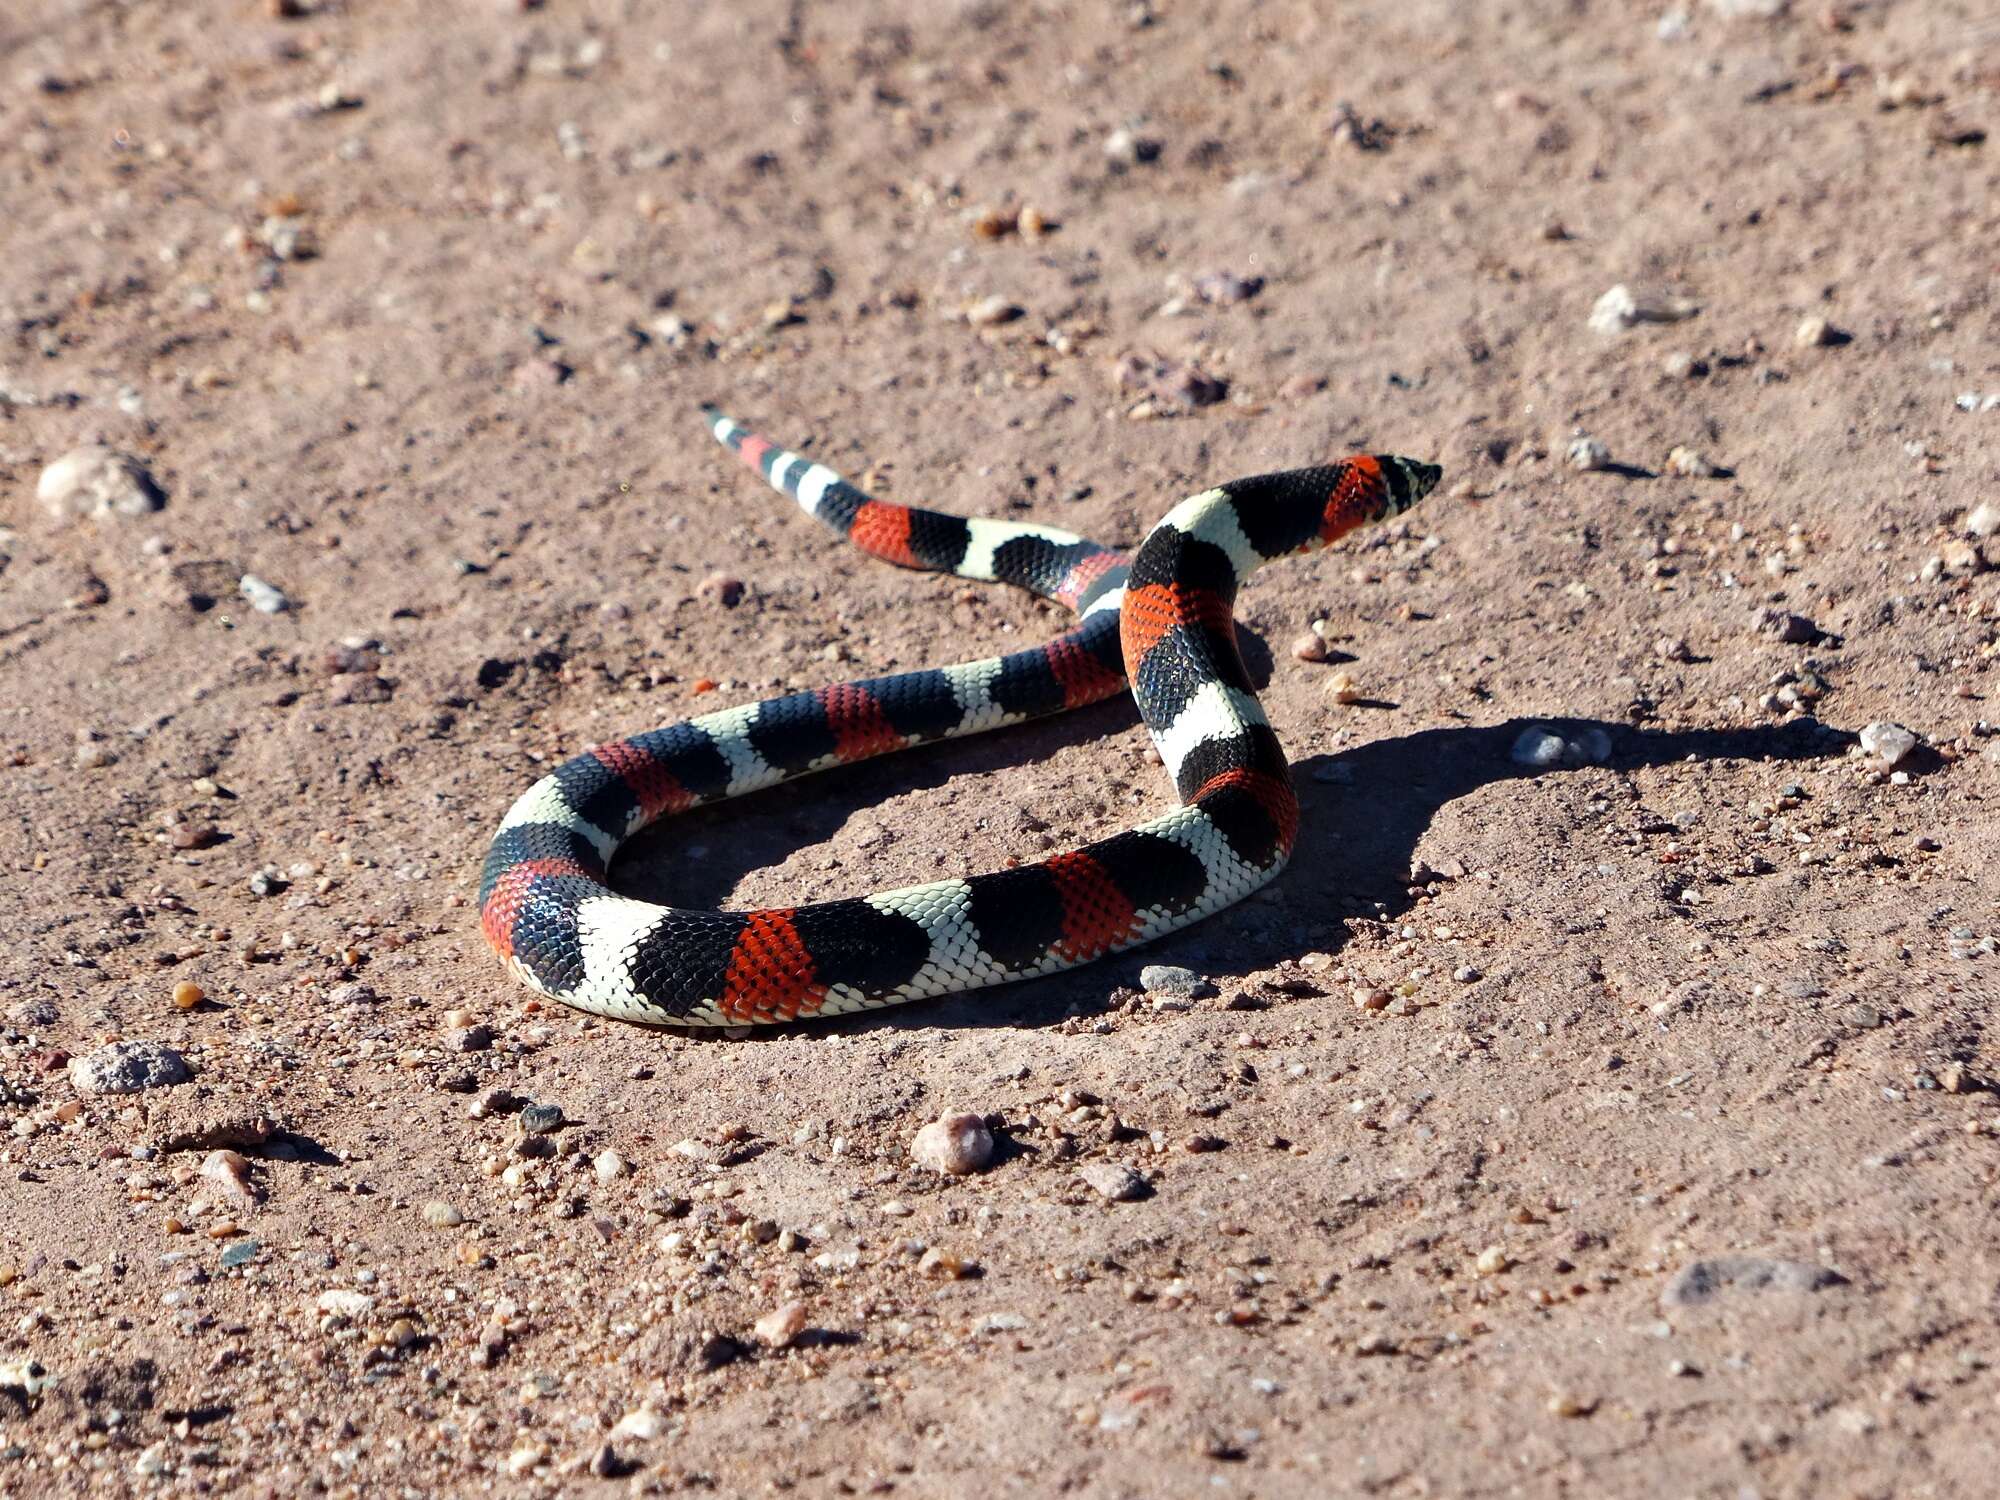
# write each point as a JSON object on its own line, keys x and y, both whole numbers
{"x": 1406, "y": 480}
{"x": 1373, "y": 487}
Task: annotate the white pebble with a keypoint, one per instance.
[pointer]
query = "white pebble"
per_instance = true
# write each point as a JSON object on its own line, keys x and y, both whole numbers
{"x": 642, "y": 1423}
{"x": 958, "y": 1144}
{"x": 781, "y": 1325}
{"x": 265, "y": 598}
{"x": 990, "y": 312}
{"x": 1620, "y": 308}
{"x": 1543, "y": 747}
{"x": 1589, "y": 454}
{"x": 97, "y": 481}
{"x": 1690, "y": 464}
{"x": 1114, "y": 1180}
{"x": 609, "y": 1166}
{"x": 1888, "y": 745}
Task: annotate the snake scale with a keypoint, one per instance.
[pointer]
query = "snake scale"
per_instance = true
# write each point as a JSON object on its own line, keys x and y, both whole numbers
{"x": 1164, "y": 616}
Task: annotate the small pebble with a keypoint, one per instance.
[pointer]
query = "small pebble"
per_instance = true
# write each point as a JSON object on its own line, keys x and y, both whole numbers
{"x": 188, "y": 994}
{"x": 1888, "y": 745}
{"x": 97, "y": 481}
{"x": 1544, "y": 747}
{"x": 128, "y": 1068}
{"x": 1791, "y": 629}
{"x": 94, "y": 755}
{"x": 265, "y": 598}
{"x": 1123, "y": 148}
{"x": 493, "y": 1102}
{"x": 1224, "y": 287}
{"x": 725, "y": 590}
{"x": 1813, "y": 332}
{"x": 1690, "y": 464}
{"x": 1114, "y": 1181}
{"x": 994, "y": 224}
{"x": 239, "y": 1254}
{"x": 541, "y": 1119}
{"x": 442, "y": 1215}
{"x": 777, "y": 1328}
{"x": 1567, "y": 1404}
{"x": 609, "y": 1166}
{"x": 991, "y": 312}
{"x": 1309, "y": 647}
{"x": 1620, "y": 309}
{"x": 1172, "y": 979}
{"x": 1342, "y": 688}
{"x": 1588, "y": 454}
{"x": 230, "y": 1171}
{"x": 943, "y": 1265}
{"x": 1983, "y": 520}
{"x": 956, "y": 1144}
{"x": 1491, "y": 1261}
{"x": 642, "y": 1423}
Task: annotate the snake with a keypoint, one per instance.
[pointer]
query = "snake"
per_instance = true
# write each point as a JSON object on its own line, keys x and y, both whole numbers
{"x": 1162, "y": 618}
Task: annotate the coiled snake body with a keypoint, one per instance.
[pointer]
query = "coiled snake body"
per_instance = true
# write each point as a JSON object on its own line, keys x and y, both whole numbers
{"x": 1164, "y": 616}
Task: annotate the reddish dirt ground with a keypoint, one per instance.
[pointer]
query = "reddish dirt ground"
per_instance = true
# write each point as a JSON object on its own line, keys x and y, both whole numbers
{"x": 1623, "y": 1127}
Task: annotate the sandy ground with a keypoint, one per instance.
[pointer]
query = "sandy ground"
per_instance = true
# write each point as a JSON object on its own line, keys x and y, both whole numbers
{"x": 1666, "y": 1160}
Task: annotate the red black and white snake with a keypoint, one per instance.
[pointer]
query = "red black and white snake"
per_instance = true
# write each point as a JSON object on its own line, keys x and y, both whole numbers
{"x": 1164, "y": 616}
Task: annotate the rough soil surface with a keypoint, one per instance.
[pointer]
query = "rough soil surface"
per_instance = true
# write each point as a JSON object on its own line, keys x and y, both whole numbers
{"x": 1624, "y": 1125}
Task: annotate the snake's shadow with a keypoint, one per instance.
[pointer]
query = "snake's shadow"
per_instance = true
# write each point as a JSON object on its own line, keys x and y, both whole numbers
{"x": 1367, "y": 809}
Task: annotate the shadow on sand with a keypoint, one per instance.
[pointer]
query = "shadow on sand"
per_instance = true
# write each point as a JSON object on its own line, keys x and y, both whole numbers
{"x": 1389, "y": 791}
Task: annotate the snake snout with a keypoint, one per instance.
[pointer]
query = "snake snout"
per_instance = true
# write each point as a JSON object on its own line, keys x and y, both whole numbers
{"x": 1409, "y": 480}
